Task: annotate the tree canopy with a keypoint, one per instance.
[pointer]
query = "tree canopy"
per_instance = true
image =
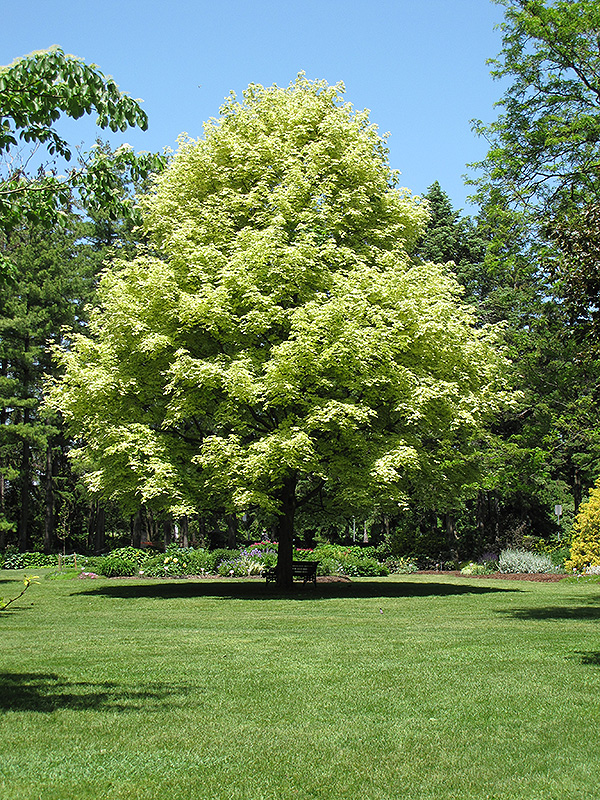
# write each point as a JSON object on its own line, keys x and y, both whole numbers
{"x": 35, "y": 91}
{"x": 546, "y": 141}
{"x": 544, "y": 155}
{"x": 280, "y": 344}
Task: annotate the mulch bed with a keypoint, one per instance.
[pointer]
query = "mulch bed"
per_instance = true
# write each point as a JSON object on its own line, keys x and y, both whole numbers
{"x": 539, "y": 577}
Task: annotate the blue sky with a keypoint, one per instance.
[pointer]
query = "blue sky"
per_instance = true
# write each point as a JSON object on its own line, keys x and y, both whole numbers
{"x": 418, "y": 65}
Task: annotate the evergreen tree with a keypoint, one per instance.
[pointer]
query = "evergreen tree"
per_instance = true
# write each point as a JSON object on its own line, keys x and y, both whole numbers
{"x": 54, "y": 277}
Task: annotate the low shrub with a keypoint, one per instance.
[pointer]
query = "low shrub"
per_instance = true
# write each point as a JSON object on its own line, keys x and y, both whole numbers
{"x": 219, "y": 555}
{"x": 248, "y": 562}
{"x": 122, "y": 563}
{"x": 15, "y": 560}
{"x": 595, "y": 570}
{"x": 475, "y": 568}
{"x": 403, "y": 565}
{"x": 525, "y": 561}
{"x": 351, "y": 561}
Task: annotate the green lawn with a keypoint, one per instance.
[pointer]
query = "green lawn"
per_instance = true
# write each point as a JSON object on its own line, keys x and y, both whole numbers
{"x": 404, "y": 687}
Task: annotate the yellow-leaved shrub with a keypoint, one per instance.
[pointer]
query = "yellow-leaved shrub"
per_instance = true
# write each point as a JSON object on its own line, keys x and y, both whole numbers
{"x": 585, "y": 545}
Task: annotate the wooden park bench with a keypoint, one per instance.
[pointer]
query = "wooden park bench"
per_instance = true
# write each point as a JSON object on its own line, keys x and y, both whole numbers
{"x": 307, "y": 570}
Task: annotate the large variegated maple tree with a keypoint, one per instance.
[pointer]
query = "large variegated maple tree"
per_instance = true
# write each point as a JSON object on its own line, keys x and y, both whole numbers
{"x": 278, "y": 342}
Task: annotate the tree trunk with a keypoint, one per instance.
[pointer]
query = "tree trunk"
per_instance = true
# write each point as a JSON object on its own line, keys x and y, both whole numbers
{"x": 480, "y": 516}
{"x": 136, "y": 529}
{"x": 99, "y": 529}
{"x": 49, "y": 517}
{"x": 386, "y": 527}
{"x": 184, "y": 530}
{"x": 25, "y": 465}
{"x": 451, "y": 537}
{"x": 494, "y": 506}
{"x": 576, "y": 489}
{"x": 202, "y": 532}
{"x": 232, "y": 531}
{"x": 149, "y": 528}
{"x": 24, "y": 510}
{"x": 285, "y": 533}
{"x": 167, "y": 527}
{"x": 2, "y": 512}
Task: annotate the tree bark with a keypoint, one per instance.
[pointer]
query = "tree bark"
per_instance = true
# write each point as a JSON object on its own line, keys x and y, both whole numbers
{"x": 24, "y": 510}
{"x": 136, "y": 529}
{"x": 480, "y": 514}
{"x": 99, "y": 529}
{"x": 494, "y": 505}
{"x": 184, "y": 531}
{"x": 167, "y": 527}
{"x": 285, "y": 533}
{"x": 2, "y": 512}
{"x": 49, "y": 516}
{"x": 451, "y": 538}
{"x": 232, "y": 531}
{"x": 576, "y": 489}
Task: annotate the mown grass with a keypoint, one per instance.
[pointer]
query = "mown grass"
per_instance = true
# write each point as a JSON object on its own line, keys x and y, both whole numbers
{"x": 404, "y": 687}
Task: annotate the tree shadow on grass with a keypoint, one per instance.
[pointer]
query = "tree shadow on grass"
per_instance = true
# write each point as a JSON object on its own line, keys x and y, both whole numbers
{"x": 590, "y": 657}
{"x": 47, "y": 692}
{"x": 573, "y": 612}
{"x": 255, "y": 590}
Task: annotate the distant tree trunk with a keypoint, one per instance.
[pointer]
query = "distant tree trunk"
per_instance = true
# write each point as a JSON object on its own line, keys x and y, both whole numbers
{"x": 386, "y": 527}
{"x": 3, "y": 419}
{"x": 184, "y": 530}
{"x": 99, "y": 529}
{"x": 480, "y": 517}
{"x": 202, "y": 531}
{"x": 285, "y": 533}
{"x": 494, "y": 508}
{"x": 2, "y": 511}
{"x": 451, "y": 537}
{"x": 576, "y": 488}
{"x": 49, "y": 517}
{"x": 167, "y": 527}
{"x": 232, "y": 530}
{"x": 25, "y": 465}
{"x": 136, "y": 529}
{"x": 24, "y": 494}
{"x": 149, "y": 526}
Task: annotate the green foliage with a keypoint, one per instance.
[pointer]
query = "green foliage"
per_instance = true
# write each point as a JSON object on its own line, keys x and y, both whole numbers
{"x": 546, "y": 140}
{"x": 403, "y": 565}
{"x": 35, "y": 91}
{"x": 475, "y": 568}
{"x": 123, "y": 562}
{"x": 279, "y": 345}
{"x": 27, "y": 560}
{"x": 585, "y": 543}
{"x": 524, "y": 561}
{"x": 458, "y": 241}
{"x": 179, "y": 561}
{"x": 545, "y": 145}
{"x": 54, "y": 274}
{"x": 252, "y": 561}
{"x": 351, "y": 561}
{"x": 219, "y": 555}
